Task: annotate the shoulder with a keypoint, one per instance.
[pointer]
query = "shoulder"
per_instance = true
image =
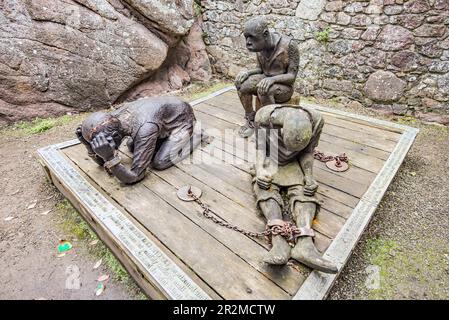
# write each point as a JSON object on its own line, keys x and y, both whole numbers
{"x": 145, "y": 130}
{"x": 317, "y": 118}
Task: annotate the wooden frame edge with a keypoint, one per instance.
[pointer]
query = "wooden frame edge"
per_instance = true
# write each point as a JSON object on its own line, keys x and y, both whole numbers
{"x": 167, "y": 278}
{"x": 317, "y": 285}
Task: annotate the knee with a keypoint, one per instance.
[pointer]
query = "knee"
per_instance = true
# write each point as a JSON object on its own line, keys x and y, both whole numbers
{"x": 276, "y": 90}
{"x": 249, "y": 86}
{"x": 160, "y": 165}
{"x": 244, "y": 87}
{"x": 280, "y": 93}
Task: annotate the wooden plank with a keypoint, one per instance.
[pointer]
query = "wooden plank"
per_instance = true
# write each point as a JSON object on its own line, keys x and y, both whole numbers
{"x": 345, "y": 183}
{"x": 323, "y": 189}
{"x": 353, "y": 147}
{"x": 321, "y": 241}
{"x": 328, "y": 223}
{"x": 352, "y": 201}
{"x": 362, "y": 128}
{"x": 372, "y": 164}
{"x": 340, "y": 209}
{"x": 249, "y": 249}
{"x": 230, "y": 106}
{"x": 230, "y": 96}
{"x": 363, "y": 120}
{"x": 328, "y": 136}
{"x": 205, "y": 255}
{"x": 359, "y": 160}
{"x": 153, "y": 269}
{"x": 235, "y": 107}
{"x": 353, "y": 174}
{"x": 354, "y": 188}
{"x": 317, "y": 285}
{"x": 216, "y": 177}
{"x": 220, "y": 113}
{"x": 372, "y": 141}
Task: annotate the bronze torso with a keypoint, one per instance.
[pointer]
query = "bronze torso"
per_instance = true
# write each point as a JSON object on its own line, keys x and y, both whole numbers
{"x": 278, "y": 62}
{"x": 168, "y": 113}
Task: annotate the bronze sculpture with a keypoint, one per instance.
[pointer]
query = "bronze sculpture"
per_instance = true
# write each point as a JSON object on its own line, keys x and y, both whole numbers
{"x": 286, "y": 138}
{"x": 159, "y": 131}
{"x": 273, "y": 79}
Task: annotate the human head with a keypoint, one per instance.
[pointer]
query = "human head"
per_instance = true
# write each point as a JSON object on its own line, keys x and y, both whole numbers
{"x": 102, "y": 122}
{"x": 256, "y": 34}
{"x": 294, "y": 122}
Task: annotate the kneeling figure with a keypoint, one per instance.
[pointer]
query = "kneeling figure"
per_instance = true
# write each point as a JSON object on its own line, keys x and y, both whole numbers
{"x": 159, "y": 131}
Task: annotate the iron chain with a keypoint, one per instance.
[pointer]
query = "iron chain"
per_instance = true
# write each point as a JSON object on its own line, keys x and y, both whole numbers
{"x": 289, "y": 231}
{"x": 320, "y": 156}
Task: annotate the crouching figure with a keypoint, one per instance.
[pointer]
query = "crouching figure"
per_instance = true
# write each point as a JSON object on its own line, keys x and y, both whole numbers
{"x": 273, "y": 79}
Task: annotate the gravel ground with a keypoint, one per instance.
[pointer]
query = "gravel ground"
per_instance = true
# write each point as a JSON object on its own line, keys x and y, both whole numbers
{"x": 31, "y": 268}
{"x": 404, "y": 253}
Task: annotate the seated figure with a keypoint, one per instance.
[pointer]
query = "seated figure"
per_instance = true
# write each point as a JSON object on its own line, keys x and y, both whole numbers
{"x": 273, "y": 79}
{"x": 286, "y": 137}
{"x": 159, "y": 131}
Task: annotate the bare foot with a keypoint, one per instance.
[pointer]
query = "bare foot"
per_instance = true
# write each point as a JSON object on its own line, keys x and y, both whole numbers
{"x": 280, "y": 253}
{"x": 306, "y": 253}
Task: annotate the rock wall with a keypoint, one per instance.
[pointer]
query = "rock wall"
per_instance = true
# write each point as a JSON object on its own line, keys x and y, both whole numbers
{"x": 391, "y": 55}
{"x": 65, "y": 55}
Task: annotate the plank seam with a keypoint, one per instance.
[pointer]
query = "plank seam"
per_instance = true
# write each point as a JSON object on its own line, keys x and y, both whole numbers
{"x": 169, "y": 276}
{"x": 212, "y": 95}
{"x": 318, "y": 284}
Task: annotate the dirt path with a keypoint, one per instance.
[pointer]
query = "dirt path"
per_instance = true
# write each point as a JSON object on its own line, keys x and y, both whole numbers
{"x": 31, "y": 268}
{"x": 29, "y": 260}
{"x": 403, "y": 255}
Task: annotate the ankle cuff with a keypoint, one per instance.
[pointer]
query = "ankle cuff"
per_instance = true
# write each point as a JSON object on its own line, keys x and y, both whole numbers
{"x": 306, "y": 232}
{"x": 275, "y": 222}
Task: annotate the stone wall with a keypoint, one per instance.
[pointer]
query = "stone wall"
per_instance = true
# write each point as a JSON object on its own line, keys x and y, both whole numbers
{"x": 387, "y": 54}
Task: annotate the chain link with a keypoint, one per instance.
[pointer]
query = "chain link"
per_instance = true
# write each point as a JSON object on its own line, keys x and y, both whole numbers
{"x": 320, "y": 156}
{"x": 288, "y": 230}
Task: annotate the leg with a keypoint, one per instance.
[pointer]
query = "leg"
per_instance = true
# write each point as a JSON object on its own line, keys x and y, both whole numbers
{"x": 305, "y": 250}
{"x": 280, "y": 252}
{"x": 246, "y": 91}
{"x": 278, "y": 93}
{"x": 269, "y": 202}
{"x": 173, "y": 151}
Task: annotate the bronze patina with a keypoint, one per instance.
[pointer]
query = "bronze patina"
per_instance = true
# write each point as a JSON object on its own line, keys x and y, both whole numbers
{"x": 286, "y": 137}
{"x": 273, "y": 79}
{"x": 159, "y": 130}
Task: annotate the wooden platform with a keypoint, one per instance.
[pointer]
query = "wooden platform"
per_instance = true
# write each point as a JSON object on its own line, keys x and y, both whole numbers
{"x": 173, "y": 252}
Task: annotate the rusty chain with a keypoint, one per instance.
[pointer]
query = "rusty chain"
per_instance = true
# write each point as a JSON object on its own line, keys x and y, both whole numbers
{"x": 320, "y": 156}
{"x": 289, "y": 231}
